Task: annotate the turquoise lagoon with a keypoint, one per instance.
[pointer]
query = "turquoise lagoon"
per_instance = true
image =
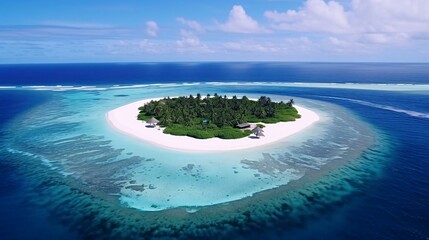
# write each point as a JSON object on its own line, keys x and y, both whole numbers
{"x": 103, "y": 183}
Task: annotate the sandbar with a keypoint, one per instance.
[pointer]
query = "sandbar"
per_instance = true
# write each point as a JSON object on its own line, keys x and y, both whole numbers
{"x": 124, "y": 119}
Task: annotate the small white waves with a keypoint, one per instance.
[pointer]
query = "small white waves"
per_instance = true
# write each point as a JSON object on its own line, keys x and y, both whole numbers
{"x": 61, "y": 88}
{"x": 129, "y": 86}
{"x": 385, "y": 107}
{"x": 45, "y": 161}
{"x": 192, "y": 210}
{"x": 164, "y": 85}
{"x": 360, "y": 86}
{"x": 27, "y": 154}
{"x": 191, "y": 84}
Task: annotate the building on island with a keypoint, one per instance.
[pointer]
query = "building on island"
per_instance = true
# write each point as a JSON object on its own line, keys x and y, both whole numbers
{"x": 258, "y": 132}
{"x": 243, "y": 125}
{"x": 152, "y": 122}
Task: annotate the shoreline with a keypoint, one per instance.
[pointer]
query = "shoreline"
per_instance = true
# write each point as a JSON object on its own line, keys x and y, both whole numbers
{"x": 124, "y": 120}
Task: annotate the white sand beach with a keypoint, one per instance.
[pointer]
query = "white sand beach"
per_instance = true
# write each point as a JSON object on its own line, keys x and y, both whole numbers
{"x": 124, "y": 119}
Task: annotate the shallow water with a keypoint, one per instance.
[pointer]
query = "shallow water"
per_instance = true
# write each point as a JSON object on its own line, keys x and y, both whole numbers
{"x": 71, "y": 136}
{"x": 359, "y": 173}
{"x": 69, "y": 139}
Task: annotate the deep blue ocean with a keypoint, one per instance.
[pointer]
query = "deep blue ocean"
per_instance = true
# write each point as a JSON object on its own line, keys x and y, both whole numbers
{"x": 137, "y": 73}
{"x": 392, "y": 98}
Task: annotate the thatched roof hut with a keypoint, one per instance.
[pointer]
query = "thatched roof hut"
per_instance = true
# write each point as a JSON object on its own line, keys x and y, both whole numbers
{"x": 259, "y": 134}
{"x": 152, "y": 121}
{"x": 257, "y": 129}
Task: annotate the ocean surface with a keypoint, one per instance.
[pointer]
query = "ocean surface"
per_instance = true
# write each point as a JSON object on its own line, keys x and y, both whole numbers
{"x": 361, "y": 172}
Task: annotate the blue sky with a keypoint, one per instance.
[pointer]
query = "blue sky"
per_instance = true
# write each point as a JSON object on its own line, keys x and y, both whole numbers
{"x": 258, "y": 30}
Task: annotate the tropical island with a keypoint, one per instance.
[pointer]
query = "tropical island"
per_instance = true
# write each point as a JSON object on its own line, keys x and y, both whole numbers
{"x": 124, "y": 120}
{"x": 222, "y": 117}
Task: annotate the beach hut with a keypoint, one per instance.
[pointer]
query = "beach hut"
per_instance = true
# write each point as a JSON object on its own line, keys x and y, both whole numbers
{"x": 257, "y": 129}
{"x": 258, "y": 132}
{"x": 243, "y": 125}
{"x": 153, "y": 121}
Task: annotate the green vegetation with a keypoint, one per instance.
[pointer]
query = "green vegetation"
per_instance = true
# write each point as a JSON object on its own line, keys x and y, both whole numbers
{"x": 215, "y": 116}
{"x": 204, "y": 133}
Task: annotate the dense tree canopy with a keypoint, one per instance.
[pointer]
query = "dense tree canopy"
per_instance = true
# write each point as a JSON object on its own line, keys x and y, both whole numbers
{"x": 217, "y": 112}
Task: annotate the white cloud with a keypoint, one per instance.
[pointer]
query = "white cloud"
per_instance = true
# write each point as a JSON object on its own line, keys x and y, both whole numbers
{"x": 275, "y": 47}
{"x": 389, "y": 16}
{"x": 194, "y": 25}
{"x": 190, "y": 43}
{"x": 315, "y": 16}
{"x": 363, "y": 17}
{"x": 247, "y": 46}
{"x": 240, "y": 22}
{"x": 359, "y": 25}
{"x": 338, "y": 45}
{"x": 152, "y": 28}
{"x": 133, "y": 47}
{"x": 76, "y": 24}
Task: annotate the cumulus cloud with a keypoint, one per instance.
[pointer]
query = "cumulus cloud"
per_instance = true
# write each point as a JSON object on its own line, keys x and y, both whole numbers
{"x": 405, "y": 16}
{"x": 240, "y": 22}
{"x": 363, "y": 17}
{"x": 363, "y": 25}
{"x": 316, "y": 15}
{"x": 152, "y": 28}
{"x": 189, "y": 41}
{"x": 194, "y": 25}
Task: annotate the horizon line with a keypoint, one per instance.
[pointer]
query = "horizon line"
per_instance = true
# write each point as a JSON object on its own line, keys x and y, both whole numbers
{"x": 207, "y": 62}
